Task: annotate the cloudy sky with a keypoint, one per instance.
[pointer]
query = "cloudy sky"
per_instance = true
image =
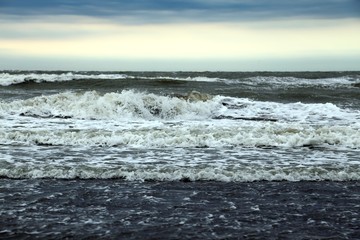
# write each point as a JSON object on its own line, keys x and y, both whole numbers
{"x": 237, "y": 35}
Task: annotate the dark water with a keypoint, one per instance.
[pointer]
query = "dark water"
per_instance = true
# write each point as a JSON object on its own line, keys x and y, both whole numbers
{"x": 110, "y": 209}
{"x": 179, "y": 155}
{"x": 263, "y": 86}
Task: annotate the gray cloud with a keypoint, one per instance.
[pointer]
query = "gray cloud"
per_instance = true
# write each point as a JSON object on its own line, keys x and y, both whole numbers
{"x": 163, "y": 11}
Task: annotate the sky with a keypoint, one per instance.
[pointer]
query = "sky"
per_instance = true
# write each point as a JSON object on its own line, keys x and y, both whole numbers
{"x": 174, "y": 35}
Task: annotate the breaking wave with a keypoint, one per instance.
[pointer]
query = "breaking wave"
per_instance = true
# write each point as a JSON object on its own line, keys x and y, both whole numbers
{"x": 290, "y": 82}
{"x": 138, "y": 119}
{"x": 7, "y": 79}
{"x": 125, "y": 105}
{"x": 153, "y": 126}
{"x": 12, "y": 78}
{"x": 173, "y": 173}
{"x": 191, "y": 135}
{"x": 134, "y": 105}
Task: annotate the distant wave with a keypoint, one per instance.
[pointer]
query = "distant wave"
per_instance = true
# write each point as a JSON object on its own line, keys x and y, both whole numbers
{"x": 289, "y": 82}
{"x": 8, "y": 79}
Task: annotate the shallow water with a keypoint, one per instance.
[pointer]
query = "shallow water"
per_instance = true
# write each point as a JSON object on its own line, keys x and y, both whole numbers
{"x": 53, "y": 209}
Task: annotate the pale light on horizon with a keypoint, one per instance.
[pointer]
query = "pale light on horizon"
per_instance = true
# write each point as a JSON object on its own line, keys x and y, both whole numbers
{"x": 85, "y": 39}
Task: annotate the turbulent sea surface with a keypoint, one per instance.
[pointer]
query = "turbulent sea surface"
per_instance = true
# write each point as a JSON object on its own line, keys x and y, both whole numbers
{"x": 174, "y": 155}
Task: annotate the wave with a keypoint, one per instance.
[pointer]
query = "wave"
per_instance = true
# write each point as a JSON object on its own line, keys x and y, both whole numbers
{"x": 140, "y": 119}
{"x": 128, "y": 104}
{"x": 292, "y": 82}
{"x": 209, "y": 135}
{"x": 185, "y": 79}
{"x": 174, "y": 173}
{"x": 11, "y": 78}
{"x": 134, "y": 105}
{"x": 7, "y": 79}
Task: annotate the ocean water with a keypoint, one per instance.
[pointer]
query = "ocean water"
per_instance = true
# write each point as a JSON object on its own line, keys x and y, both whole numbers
{"x": 158, "y": 137}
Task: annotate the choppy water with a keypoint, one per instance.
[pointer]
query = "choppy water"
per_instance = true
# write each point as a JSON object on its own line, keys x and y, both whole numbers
{"x": 222, "y": 127}
{"x": 171, "y": 126}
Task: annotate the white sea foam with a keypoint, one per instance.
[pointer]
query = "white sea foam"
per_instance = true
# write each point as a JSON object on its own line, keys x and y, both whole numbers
{"x": 189, "y": 79}
{"x": 7, "y": 79}
{"x": 173, "y": 173}
{"x": 138, "y": 119}
{"x": 158, "y": 134}
{"x": 205, "y": 79}
{"x": 132, "y": 105}
{"x": 193, "y": 136}
{"x": 190, "y": 135}
{"x": 310, "y": 113}
{"x": 125, "y": 105}
{"x": 236, "y": 164}
{"x": 289, "y": 82}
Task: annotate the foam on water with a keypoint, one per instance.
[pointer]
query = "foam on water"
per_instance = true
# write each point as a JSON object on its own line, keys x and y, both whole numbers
{"x": 311, "y": 113}
{"x": 137, "y": 135}
{"x": 239, "y": 165}
{"x": 138, "y": 119}
{"x": 290, "y": 82}
{"x": 7, "y": 79}
{"x": 203, "y": 79}
{"x": 223, "y": 133}
{"x": 124, "y": 105}
{"x": 171, "y": 173}
{"x": 132, "y": 105}
{"x": 189, "y": 79}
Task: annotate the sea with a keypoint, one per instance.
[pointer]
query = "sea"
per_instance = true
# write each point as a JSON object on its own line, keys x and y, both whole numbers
{"x": 179, "y": 155}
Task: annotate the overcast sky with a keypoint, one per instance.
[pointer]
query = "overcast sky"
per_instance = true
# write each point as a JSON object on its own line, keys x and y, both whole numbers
{"x": 237, "y": 35}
